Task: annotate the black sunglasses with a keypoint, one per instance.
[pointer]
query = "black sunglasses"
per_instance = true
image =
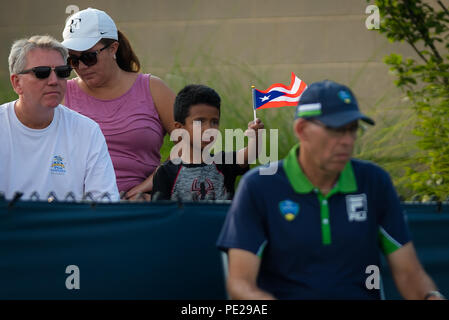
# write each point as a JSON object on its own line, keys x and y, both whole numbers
{"x": 43, "y": 72}
{"x": 89, "y": 58}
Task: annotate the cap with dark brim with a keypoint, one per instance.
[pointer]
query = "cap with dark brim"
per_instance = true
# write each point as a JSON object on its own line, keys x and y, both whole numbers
{"x": 340, "y": 119}
{"x": 80, "y": 44}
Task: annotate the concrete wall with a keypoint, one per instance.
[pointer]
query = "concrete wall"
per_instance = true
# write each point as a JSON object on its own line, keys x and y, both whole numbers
{"x": 316, "y": 39}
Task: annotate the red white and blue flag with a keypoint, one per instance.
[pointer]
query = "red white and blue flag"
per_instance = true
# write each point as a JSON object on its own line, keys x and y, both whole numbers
{"x": 279, "y": 95}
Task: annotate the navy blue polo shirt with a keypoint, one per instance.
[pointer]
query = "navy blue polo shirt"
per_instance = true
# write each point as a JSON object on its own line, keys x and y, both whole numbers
{"x": 314, "y": 246}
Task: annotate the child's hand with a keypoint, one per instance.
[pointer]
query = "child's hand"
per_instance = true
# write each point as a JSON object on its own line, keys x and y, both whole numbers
{"x": 254, "y": 125}
{"x": 252, "y": 150}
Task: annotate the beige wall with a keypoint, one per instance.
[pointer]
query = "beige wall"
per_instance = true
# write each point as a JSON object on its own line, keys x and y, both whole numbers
{"x": 316, "y": 39}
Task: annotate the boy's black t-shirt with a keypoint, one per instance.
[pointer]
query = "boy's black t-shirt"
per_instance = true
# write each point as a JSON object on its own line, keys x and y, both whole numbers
{"x": 195, "y": 182}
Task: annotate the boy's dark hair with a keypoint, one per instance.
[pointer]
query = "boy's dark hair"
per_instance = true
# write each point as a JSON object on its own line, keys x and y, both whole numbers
{"x": 191, "y": 95}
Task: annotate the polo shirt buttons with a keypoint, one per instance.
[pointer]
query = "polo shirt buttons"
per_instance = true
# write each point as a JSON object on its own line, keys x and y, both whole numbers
{"x": 325, "y": 221}
{"x": 324, "y": 202}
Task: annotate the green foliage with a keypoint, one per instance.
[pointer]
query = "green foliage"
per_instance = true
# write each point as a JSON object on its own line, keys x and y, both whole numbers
{"x": 6, "y": 92}
{"x": 425, "y": 80}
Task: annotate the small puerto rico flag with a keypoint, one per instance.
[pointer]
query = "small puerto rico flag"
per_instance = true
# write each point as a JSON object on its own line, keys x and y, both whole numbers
{"x": 279, "y": 95}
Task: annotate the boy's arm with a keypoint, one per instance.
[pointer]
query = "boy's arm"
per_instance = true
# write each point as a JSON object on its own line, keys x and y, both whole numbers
{"x": 251, "y": 152}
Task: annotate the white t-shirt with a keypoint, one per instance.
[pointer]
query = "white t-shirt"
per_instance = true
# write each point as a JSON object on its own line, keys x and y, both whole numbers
{"x": 70, "y": 155}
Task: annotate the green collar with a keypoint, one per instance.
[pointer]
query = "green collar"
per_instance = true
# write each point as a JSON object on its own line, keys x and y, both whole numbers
{"x": 346, "y": 182}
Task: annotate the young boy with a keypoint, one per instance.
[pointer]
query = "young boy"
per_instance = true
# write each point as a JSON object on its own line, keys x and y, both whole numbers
{"x": 190, "y": 178}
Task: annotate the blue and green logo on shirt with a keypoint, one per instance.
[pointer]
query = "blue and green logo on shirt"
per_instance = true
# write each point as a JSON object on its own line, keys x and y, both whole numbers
{"x": 289, "y": 209}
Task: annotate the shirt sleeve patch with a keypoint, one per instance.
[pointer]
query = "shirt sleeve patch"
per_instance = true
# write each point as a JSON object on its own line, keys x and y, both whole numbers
{"x": 387, "y": 243}
{"x": 261, "y": 249}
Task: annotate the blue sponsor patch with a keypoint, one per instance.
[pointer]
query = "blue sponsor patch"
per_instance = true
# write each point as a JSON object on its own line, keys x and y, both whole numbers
{"x": 57, "y": 166}
{"x": 289, "y": 209}
{"x": 345, "y": 96}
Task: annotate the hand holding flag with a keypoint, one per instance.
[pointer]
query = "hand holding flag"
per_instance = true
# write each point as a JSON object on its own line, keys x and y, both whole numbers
{"x": 253, "y": 149}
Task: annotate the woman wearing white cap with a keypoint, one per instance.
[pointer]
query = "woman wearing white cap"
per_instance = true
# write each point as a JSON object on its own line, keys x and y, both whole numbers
{"x": 134, "y": 110}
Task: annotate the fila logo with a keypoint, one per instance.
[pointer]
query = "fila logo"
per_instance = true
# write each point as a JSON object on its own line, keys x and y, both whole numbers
{"x": 356, "y": 206}
{"x": 75, "y": 24}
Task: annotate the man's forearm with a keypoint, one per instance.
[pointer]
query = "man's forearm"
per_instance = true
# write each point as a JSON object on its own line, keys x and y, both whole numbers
{"x": 242, "y": 290}
{"x": 415, "y": 285}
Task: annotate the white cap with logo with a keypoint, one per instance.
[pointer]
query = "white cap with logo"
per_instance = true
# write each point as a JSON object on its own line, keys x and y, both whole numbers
{"x": 86, "y": 27}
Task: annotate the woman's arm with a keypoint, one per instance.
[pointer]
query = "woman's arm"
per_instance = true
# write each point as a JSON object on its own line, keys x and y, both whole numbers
{"x": 164, "y": 99}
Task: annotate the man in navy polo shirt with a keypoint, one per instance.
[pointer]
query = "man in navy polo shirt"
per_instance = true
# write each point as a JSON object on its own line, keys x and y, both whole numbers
{"x": 313, "y": 230}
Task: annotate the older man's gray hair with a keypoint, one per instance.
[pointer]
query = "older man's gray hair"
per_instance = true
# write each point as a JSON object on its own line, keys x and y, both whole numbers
{"x": 20, "y": 48}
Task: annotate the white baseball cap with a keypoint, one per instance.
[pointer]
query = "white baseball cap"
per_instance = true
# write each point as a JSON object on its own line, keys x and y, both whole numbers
{"x": 86, "y": 27}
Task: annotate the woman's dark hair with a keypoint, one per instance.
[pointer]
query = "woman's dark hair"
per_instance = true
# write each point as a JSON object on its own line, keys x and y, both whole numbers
{"x": 126, "y": 58}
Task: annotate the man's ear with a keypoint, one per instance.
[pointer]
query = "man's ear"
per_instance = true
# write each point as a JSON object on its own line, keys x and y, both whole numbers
{"x": 299, "y": 127}
{"x": 16, "y": 84}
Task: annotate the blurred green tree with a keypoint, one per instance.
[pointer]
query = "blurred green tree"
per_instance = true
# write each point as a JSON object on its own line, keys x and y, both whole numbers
{"x": 424, "y": 25}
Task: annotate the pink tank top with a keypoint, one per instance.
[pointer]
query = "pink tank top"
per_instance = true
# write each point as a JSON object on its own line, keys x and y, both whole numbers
{"x": 131, "y": 126}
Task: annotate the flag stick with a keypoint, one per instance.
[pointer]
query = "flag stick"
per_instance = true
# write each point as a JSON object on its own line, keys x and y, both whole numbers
{"x": 254, "y": 102}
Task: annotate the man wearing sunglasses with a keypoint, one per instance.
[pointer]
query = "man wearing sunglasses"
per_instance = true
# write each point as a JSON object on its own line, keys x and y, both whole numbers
{"x": 314, "y": 230}
{"x": 46, "y": 148}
